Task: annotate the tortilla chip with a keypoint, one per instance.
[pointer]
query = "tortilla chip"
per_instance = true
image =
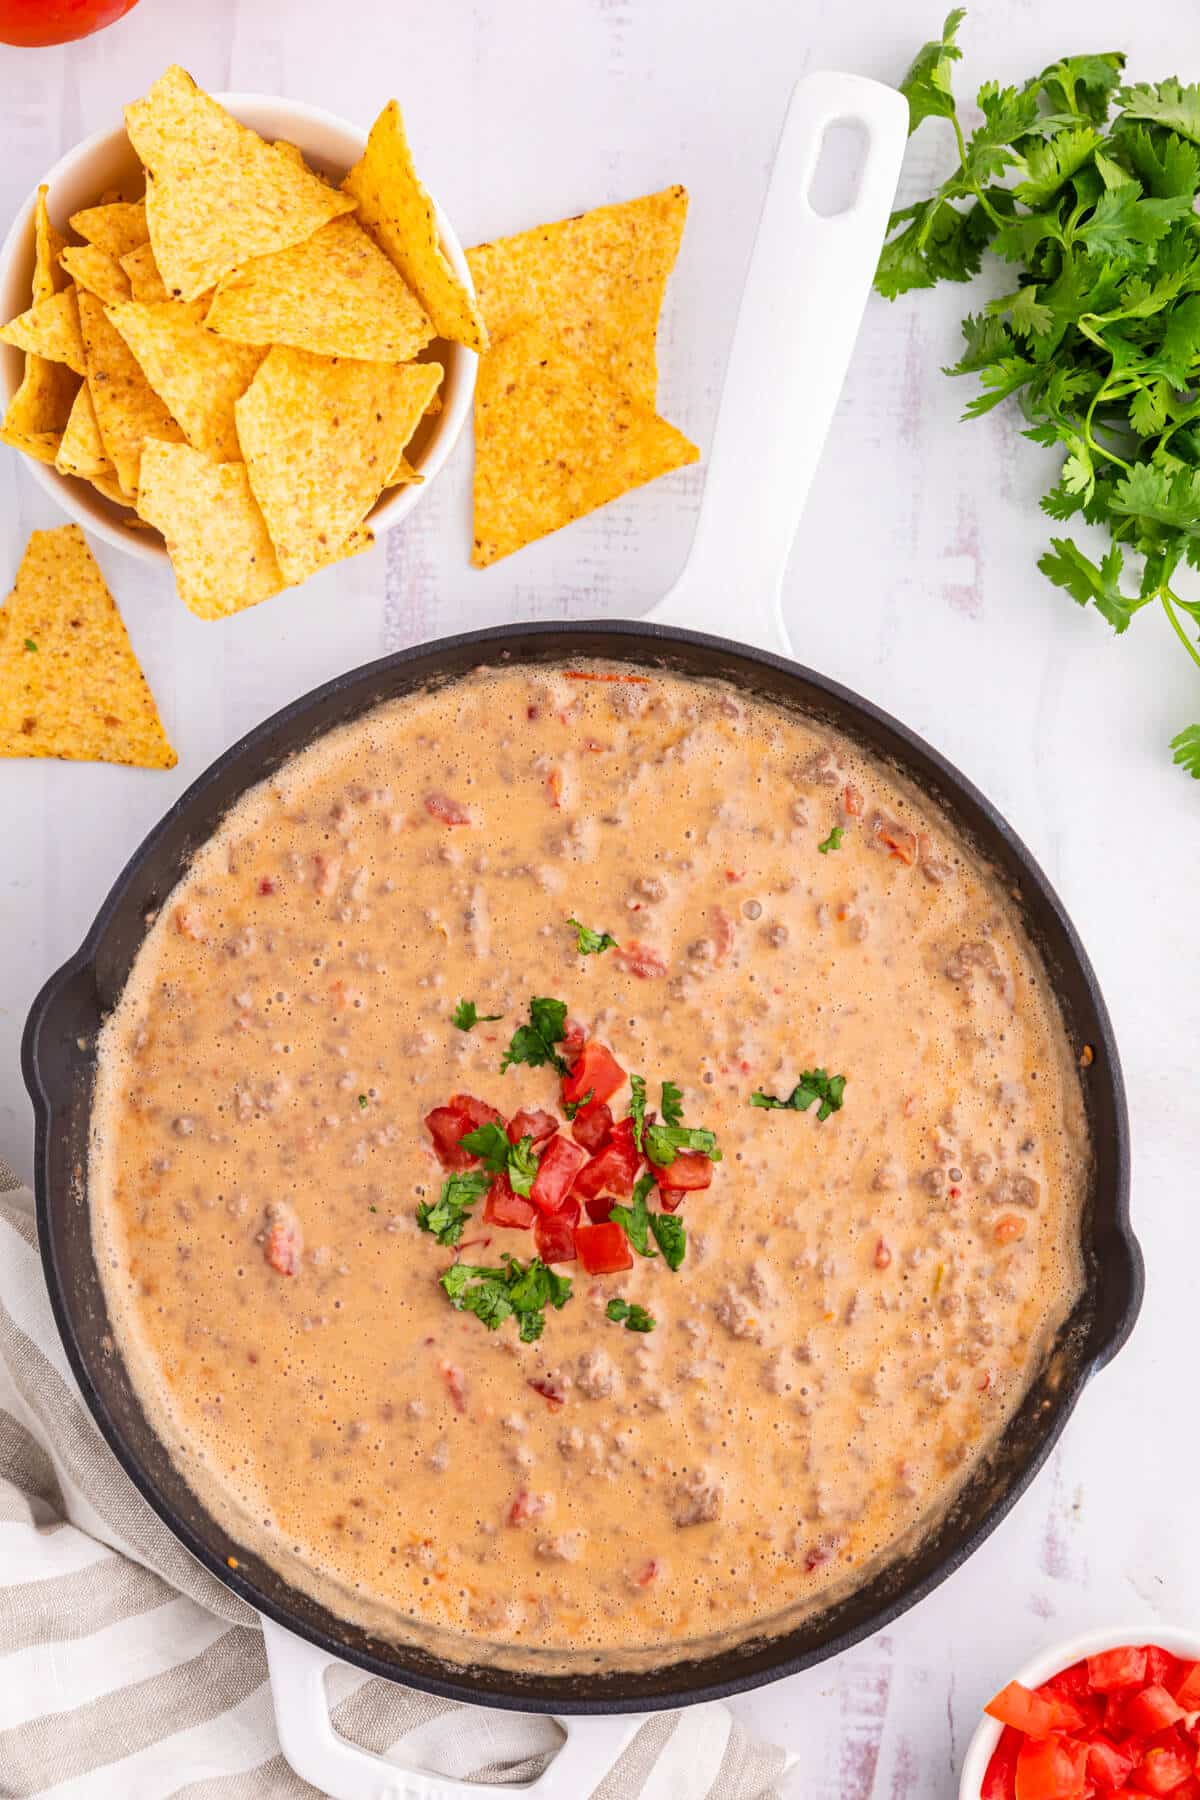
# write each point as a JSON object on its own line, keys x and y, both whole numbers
{"x": 42, "y": 445}
{"x": 295, "y": 154}
{"x": 50, "y": 330}
{"x": 196, "y": 374}
{"x": 96, "y": 271}
{"x": 554, "y": 439}
{"x": 399, "y": 214}
{"x": 116, "y": 228}
{"x": 216, "y": 194}
{"x": 216, "y": 537}
{"x": 143, "y": 276}
{"x": 82, "y": 451}
{"x": 128, "y": 411}
{"x": 70, "y": 684}
{"x": 320, "y": 438}
{"x": 404, "y": 475}
{"x": 598, "y": 279}
{"x": 42, "y": 403}
{"x": 48, "y": 245}
{"x": 107, "y": 484}
{"x": 335, "y": 294}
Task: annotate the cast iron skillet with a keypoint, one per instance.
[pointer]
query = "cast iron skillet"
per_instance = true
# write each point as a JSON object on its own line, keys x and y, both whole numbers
{"x": 807, "y": 283}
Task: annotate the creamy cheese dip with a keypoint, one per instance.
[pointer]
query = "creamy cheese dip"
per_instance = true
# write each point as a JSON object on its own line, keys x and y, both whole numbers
{"x": 863, "y": 1302}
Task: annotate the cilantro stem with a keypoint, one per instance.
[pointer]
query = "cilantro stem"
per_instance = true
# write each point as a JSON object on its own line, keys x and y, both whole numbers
{"x": 1170, "y": 601}
{"x": 1089, "y": 437}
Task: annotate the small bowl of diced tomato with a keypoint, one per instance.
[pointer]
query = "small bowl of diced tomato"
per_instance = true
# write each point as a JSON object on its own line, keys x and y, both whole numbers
{"x": 1112, "y": 1713}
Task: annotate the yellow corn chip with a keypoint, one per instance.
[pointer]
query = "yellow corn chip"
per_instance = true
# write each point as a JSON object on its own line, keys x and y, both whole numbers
{"x": 321, "y": 438}
{"x": 142, "y": 273}
{"x": 216, "y": 193}
{"x": 598, "y": 279}
{"x": 38, "y": 412}
{"x": 42, "y": 445}
{"x": 216, "y": 537}
{"x": 96, "y": 271}
{"x": 554, "y": 439}
{"x": 107, "y": 484}
{"x": 82, "y": 449}
{"x": 50, "y": 330}
{"x": 404, "y": 475}
{"x": 128, "y": 411}
{"x": 399, "y": 214}
{"x": 48, "y": 244}
{"x": 116, "y": 228}
{"x": 294, "y": 154}
{"x": 70, "y": 684}
{"x": 196, "y": 374}
{"x": 335, "y": 294}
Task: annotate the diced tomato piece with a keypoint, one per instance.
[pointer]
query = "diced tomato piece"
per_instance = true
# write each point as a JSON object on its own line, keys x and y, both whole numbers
{"x": 1037, "y": 1715}
{"x": 1161, "y": 1667}
{"x": 647, "y": 1573}
{"x": 526, "y": 1506}
{"x": 599, "y": 1209}
{"x": 1151, "y": 1710}
{"x": 1162, "y": 1770}
{"x": 551, "y": 1393}
{"x": 608, "y": 1173}
{"x": 554, "y": 1236}
{"x": 1187, "y": 1688}
{"x": 671, "y": 1198}
{"x": 591, "y": 1125}
{"x": 573, "y": 1042}
{"x": 284, "y": 1247}
{"x": 536, "y": 1124}
{"x": 445, "y": 810}
{"x": 1000, "y": 1780}
{"x": 503, "y": 1207}
{"x": 461, "y": 1114}
{"x": 1074, "y": 1682}
{"x": 1111, "y": 1669}
{"x": 1051, "y": 1768}
{"x": 691, "y": 1169}
{"x": 639, "y": 959}
{"x": 603, "y": 1249}
{"x": 1108, "y": 1765}
{"x": 595, "y": 1071}
{"x": 556, "y": 1172}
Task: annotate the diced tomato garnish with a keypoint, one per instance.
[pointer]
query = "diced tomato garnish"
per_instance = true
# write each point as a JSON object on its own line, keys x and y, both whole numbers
{"x": 556, "y": 1172}
{"x": 639, "y": 959}
{"x": 1051, "y": 1768}
{"x": 691, "y": 1169}
{"x": 647, "y": 1573}
{"x": 550, "y": 1392}
{"x": 503, "y": 1207}
{"x": 1000, "y": 1779}
{"x": 573, "y": 1042}
{"x": 455, "y": 1386}
{"x": 526, "y": 1506}
{"x": 1037, "y": 1715}
{"x": 1187, "y": 1688}
{"x": 1162, "y": 1770}
{"x": 671, "y": 1199}
{"x": 599, "y": 1209}
{"x": 612, "y": 1171}
{"x": 445, "y": 810}
{"x": 284, "y": 1247}
{"x": 1108, "y": 1765}
{"x": 554, "y": 1234}
{"x": 603, "y": 1249}
{"x": 591, "y": 1125}
{"x": 461, "y": 1114}
{"x": 536, "y": 1124}
{"x": 265, "y": 885}
{"x": 1151, "y": 1710}
{"x": 1161, "y": 1667}
{"x": 595, "y": 1071}
{"x": 1074, "y": 1682}
{"x": 1122, "y": 1668}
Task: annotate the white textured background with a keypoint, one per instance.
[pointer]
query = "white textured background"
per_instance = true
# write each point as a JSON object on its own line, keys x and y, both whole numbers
{"x": 913, "y": 581}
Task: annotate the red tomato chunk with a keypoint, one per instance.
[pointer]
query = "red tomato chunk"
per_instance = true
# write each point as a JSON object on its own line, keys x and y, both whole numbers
{"x": 612, "y": 1171}
{"x": 599, "y": 1209}
{"x": 1121, "y": 1668}
{"x": 1052, "y": 1768}
{"x": 596, "y": 1072}
{"x": 1162, "y": 1770}
{"x": 691, "y": 1169}
{"x": 1037, "y": 1715}
{"x": 554, "y": 1234}
{"x": 1000, "y": 1779}
{"x": 1187, "y": 1689}
{"x": 592, "y": 1125}
{"x": 1152, "y": 1710}
{"x": 1108, "y": 1765}
{"x": 603, "y": 1249}
{"x": 537, "y": 1124}
{"x": 556, "y": 1172}
{"x": 503, "y": 1207}
{"x": 461, "y": 1114}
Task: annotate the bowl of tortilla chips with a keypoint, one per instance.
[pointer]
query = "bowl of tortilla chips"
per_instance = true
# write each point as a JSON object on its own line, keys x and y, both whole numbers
{"x": 240, "y": 333}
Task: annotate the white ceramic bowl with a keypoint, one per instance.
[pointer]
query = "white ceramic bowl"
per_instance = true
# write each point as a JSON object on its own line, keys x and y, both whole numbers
{"x": 107, "y": 160}
{"x": 1047, "y": 1663}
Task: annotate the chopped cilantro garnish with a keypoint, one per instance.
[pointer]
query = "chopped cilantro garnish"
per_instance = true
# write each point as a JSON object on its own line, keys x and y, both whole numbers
{"x": 632, "y": 1316}
{"x": 664, "y": 1142}
{"x": 446, "y": 1216}
{"x": 489, "y": 1143}
{"x": 672, "y": 1104}
{"x": 494, "y": 1295}
{"x": 634, "y": 1219}
{"x": 466, "y": 1016}
{"x": 574, "y": 1107}
{"x": 591, "y": 943}
{"x": 670, "y": 1236}
{"x": 522, "y": 1167}
{"x": 637, "y": 1108}
{"x": 29, "y": 644}
{"x": 534, "y": 1043}
{"x": 833, "y": 841}
{"x": 813, "y": 1085}
{"x": 363, "y": 1102}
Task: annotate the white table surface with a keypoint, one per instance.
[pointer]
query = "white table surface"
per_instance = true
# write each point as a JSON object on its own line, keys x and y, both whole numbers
{"x": 912, "y": 580}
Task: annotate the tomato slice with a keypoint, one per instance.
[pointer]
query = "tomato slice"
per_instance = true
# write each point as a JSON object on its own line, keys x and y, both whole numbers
{"x": 1051, "y": 1768}
{"x": 1187, "y": 1689}
{"x": 1151, "y": 1710}
{"x": 691, "y": 1169}
{"x": 1121, "y": 1668}
{"x": 556, "y": 1172}
{"x": 603, "y": 1249}
{"x": 1000, "y": 1780}
{"x": 1109, "y": 1765}
{"x": 597, "y": 1072}
{"x": 1037, "y": 1715}
{"x": 591, "y": 1126}
{"x": 554, "y": 1234}
{"x": 503, "y": 1207}
{"x": 536, "y": 1124}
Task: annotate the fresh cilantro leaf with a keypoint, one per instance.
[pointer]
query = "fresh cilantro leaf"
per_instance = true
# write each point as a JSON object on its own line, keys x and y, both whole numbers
{"x": 1152, "y": 492}
{"x": 446, "y": 1216}
{"x": 814, "y": 1085}
{"x": 573, "y": 1108}
{"x": 466, "y": 1017}
{"x": 494, "y": 1295}
{"x": 534, "y": 1043}
{"x": 637, "y": 1107}
{"x": 1186, "y": 746}
{"x": 634, "y": 1219}
{"x": 987, "y": 339}
{"x": 833, "y": 841}
{"x": 632, "y": 1316}
{"x": 672, "y": 1104}
{"x": 363, "y": 1103}
{"x": 522, "y": 1167}
{"x": 490, "y": 1143}
{"x": 29, "y": 644}
{"x": 1163, "y": 163}
{"x": 664, "y": 1142}
{"x": 1049, "y": 166}
{"x": 1067, "y": 567}
{"x": 1122, "y": 222}
{"x": 670, "y": 1236}
{"x": 1083, "y": 84}
{"x": 591, "y": 943}
{"x": 1168, "y": 104}
{"x": 926, "y": 87}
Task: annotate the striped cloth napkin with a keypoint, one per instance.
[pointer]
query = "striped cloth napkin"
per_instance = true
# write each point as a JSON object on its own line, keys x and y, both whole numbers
{"x": 127, "y": 1672}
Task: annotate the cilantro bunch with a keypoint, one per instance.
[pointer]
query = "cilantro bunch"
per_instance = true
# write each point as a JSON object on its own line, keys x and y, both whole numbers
{"x": 1099, "y": 337}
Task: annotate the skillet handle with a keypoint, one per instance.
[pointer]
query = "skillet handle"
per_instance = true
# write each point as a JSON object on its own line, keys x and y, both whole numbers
{"x": 800, "y": 312}
{"x": 345, "y": 1772}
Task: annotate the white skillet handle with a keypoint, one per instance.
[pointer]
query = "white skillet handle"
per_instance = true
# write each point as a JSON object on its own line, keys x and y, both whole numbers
{"x": 803, "y": 301}
{"x": 345, "y": 1772}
